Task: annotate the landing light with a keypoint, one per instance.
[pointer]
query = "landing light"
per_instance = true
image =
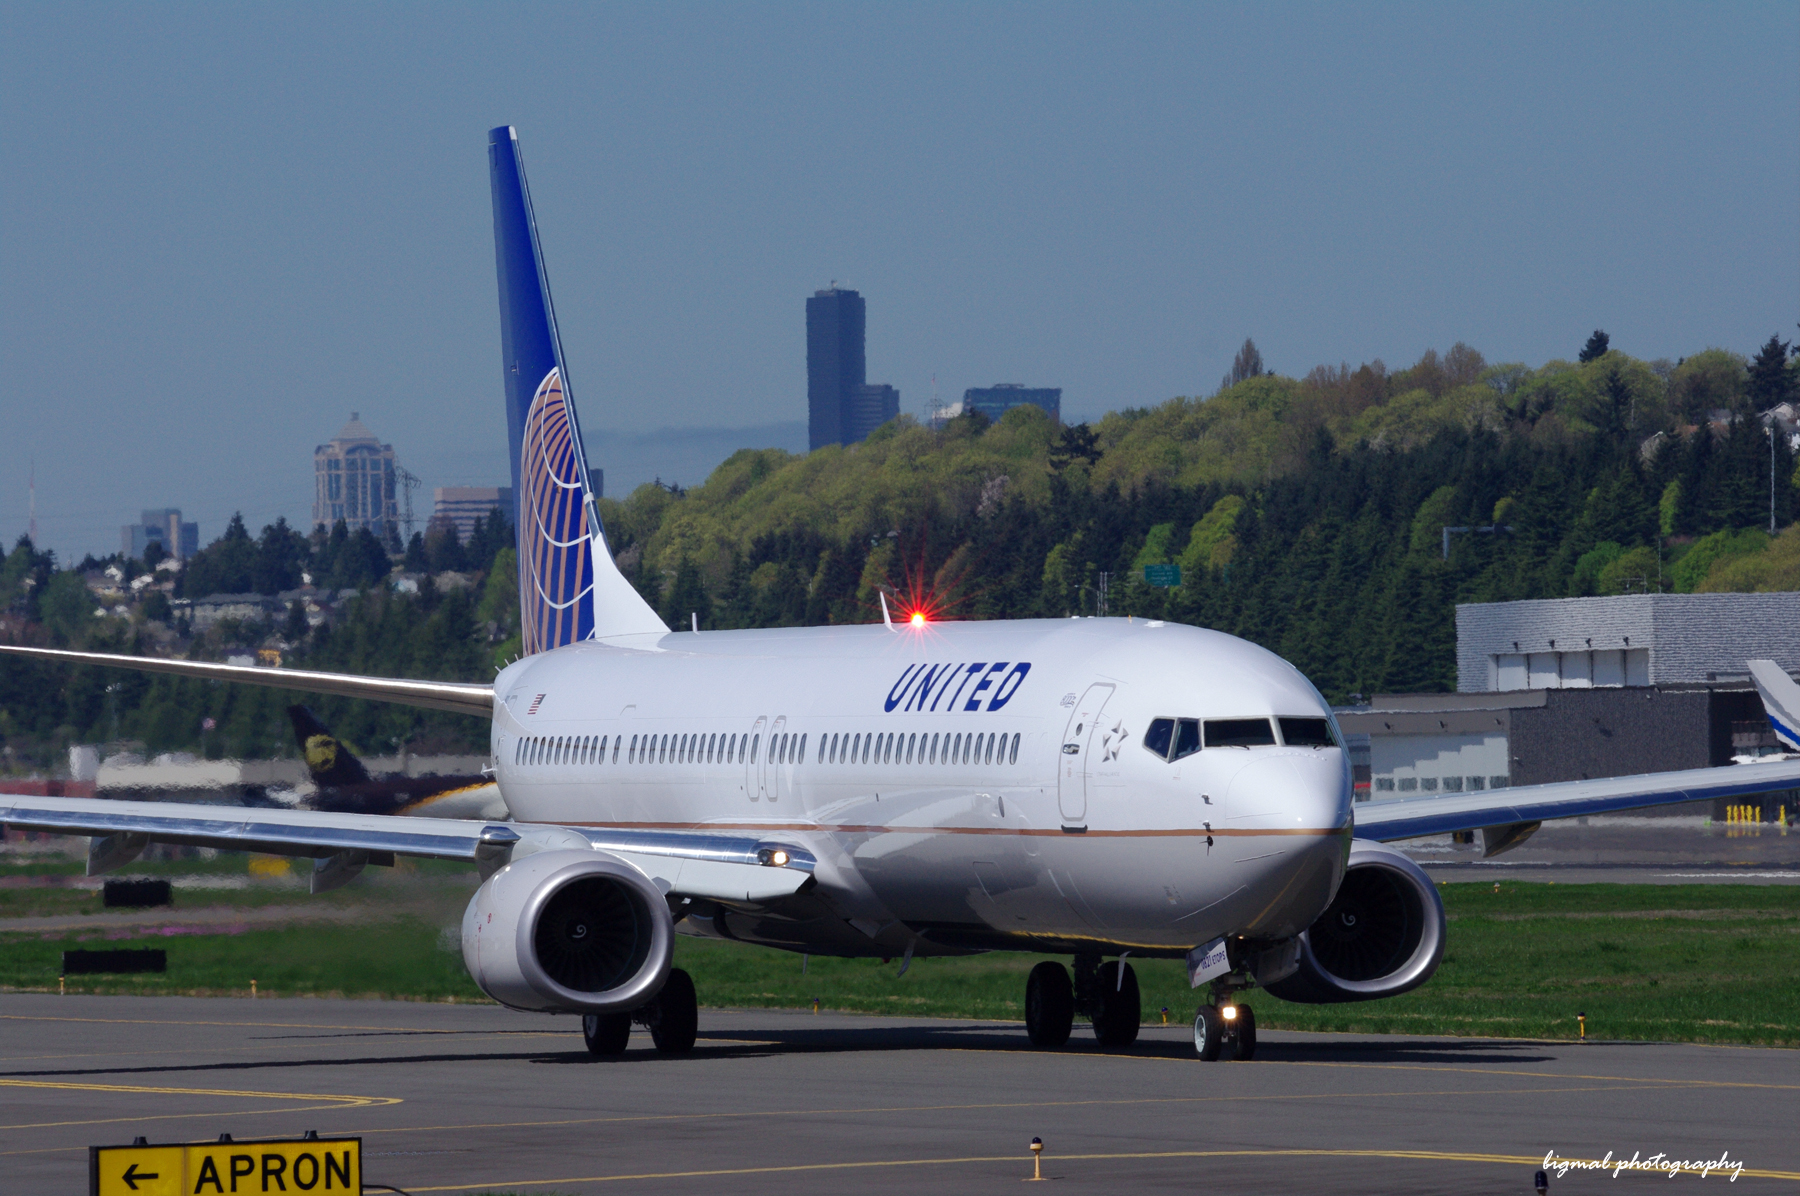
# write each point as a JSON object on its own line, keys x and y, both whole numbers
{"x": 918, "y": 618}
{"x": 1229, "y": 1013}
{"x": 776, "y": 858}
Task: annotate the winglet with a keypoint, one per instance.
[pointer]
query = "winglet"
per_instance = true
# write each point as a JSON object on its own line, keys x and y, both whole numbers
{"x": 1780, "y": 699}
{"x": 569, "y": 587}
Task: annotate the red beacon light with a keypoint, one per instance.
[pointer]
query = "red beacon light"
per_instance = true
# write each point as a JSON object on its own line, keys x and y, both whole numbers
{"x": 917, "y": 619}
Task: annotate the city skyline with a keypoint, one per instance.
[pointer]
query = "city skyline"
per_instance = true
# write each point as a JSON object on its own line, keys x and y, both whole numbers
{"x": 1051, "y": 194}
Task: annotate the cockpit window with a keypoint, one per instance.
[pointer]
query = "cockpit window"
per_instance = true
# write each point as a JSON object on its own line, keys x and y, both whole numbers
{"x": 1156, "y": 739}
{"x": 1306, "y": 732}
{"x": 1187, "y": 738}
{"x": 1239, "y": 732}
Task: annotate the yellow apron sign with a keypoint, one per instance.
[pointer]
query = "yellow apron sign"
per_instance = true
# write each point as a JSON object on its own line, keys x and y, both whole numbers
{"x": 307, "y": 1165}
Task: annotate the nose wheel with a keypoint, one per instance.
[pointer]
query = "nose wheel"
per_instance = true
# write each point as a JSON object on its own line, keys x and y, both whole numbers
{"x": 1227, "y": 1031}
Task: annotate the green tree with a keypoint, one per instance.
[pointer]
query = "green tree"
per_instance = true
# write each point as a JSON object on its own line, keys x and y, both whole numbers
{"x": 1770, "y": 382}
{"x": 1596, "y": 347}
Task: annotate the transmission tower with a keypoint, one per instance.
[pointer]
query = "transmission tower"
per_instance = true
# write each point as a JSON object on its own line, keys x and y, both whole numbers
{"x": 408, "y": 483}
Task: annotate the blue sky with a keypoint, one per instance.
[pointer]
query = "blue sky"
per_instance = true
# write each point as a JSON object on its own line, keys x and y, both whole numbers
{"x": 227, "y": 226}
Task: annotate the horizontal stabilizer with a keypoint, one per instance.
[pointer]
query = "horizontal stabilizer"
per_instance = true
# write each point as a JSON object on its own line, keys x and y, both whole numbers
{"x": 455, "y": 696}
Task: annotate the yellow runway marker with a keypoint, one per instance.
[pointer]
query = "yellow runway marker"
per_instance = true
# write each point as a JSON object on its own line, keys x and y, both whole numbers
{"x": 1428, "y": 1156}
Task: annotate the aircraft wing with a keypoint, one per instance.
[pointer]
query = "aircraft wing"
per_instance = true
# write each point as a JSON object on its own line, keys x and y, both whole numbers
{"x": 698, "y": 863}
{"x": 1518, "y": 811}
{"x": 457, "y": 697}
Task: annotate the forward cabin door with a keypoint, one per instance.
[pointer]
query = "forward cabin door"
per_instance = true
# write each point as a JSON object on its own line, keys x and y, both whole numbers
{"x": 1077, "y": 741}
{"x": 753, "y": 761}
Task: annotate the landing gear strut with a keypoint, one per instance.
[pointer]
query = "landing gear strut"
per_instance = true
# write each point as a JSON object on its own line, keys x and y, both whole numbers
{"x": 1107, "y": 994}
{"x": 672, "y": 1017}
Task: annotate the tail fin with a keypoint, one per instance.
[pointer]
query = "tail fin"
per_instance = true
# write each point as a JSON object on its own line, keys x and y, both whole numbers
{"x": 1780, "y": 699}
{"x": 331, "y": 764}
{"x": 569, "y": 587}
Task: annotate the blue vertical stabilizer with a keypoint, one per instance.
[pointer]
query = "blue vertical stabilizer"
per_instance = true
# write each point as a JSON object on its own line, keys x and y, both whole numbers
{"x": 569, "y": 587}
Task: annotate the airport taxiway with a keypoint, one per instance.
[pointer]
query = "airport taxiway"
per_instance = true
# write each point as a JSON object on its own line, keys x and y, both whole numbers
{"x": 461, "y": 1099}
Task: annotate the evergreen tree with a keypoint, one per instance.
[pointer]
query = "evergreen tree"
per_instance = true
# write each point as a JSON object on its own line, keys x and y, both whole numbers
{"x": 1247, "y": 364}
{"x": 1596, "y": 347}
{"x": 1771, "y": 382}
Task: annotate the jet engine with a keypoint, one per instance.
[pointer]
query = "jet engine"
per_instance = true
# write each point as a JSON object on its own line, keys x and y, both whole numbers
{"x": 1382, "y": 935}
{"x": 568, "y": 931}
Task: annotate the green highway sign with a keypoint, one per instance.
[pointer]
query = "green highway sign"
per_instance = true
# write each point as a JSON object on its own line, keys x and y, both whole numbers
{"x": 1162, "y": 575}
{"x": 315, "y": 1165}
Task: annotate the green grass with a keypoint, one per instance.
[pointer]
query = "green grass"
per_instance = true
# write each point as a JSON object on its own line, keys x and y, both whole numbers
{"x": 1691, "y": 963}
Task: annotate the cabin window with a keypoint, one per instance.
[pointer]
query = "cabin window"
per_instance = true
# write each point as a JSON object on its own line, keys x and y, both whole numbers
{"x": 988, "y": 758}
{"x": 1013, "y": 756}
{"x": 1239, "y": 732}
{"x": 755, "y": 746}
{"x": 662, "y": 750}
{"x": 934, "y": 747}
{"x": 912, "y": 741}
{"x": 824, "y": 746}
{"x": 617, "y": 744}
{"x": 800, "y": 755}
{"x": 868, "y": 748}
{"x": 855, "y": 744}
{"x": 731, "y": 747}
{"x": 887, "y": 747}
{"x": 1306, "y": 732}
{"x": 955, "y": 752}
{"x": 600, "y": 750}
{"x": 1158, "y": 738}
{"x": 969, "y": 748}
{"x": 631, "y": 756}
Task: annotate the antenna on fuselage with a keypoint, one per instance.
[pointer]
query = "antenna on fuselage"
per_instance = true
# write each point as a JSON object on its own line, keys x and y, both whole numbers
{"x": 885, "y": 617}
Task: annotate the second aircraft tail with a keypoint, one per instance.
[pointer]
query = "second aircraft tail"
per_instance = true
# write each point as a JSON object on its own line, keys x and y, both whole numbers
{"x": 569, "y": 587}
{"x": 1780, "y": 699}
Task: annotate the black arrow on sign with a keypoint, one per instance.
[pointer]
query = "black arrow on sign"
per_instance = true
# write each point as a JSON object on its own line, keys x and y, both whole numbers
{"x": 132, "y": 1175}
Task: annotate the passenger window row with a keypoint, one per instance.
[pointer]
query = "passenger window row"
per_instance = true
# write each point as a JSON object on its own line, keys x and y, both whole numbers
{"x": 904, "y": 748}
{"x": 1171, "y": 738}
{"x": 786, "y": 748}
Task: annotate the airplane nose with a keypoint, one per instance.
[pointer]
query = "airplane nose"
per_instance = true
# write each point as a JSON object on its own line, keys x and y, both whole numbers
{"x": 1290, "y": 792}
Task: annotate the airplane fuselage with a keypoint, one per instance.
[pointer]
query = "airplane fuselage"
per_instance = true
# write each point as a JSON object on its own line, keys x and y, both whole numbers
{"x": 963, "y": 786}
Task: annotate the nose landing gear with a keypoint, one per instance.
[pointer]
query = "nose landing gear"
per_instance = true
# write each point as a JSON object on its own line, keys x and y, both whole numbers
{"x": 1225, "y": 1028}
{"x": 1107, "y": 994}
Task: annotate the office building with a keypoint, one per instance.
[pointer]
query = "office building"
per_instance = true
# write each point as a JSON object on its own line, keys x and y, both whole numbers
{"x": 354, "y": 479}
{"x": 996, "y": 400}
{"x": 163, "y": 527}
{"x": 871, "y": 405}
{"x": 835, "y": 366}
{"x": 461, "y": 506}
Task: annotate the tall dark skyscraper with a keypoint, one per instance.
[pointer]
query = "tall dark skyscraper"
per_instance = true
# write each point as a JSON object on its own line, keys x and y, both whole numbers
{"x": 835, "y": 367}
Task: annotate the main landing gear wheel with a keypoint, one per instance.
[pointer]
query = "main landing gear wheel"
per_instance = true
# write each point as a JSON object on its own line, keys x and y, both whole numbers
{"x": 1117, "y": 1008}
{"x": 1050, "y": 1005}
{"x": 1209, "y": 1033}
{"x": 606, "y": 1033}
{"x": 1243, "y": 1034}
{"x": 676, "y": 1019}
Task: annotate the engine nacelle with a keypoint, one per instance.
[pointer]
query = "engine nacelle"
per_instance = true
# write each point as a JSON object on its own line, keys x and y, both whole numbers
{"x": 568, "y": 931}
{"x": 1382, "y": 935}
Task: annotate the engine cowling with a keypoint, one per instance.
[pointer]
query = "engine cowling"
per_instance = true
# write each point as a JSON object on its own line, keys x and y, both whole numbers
{"x": 568, "y": 931}
{"x": 1382, "y": 935}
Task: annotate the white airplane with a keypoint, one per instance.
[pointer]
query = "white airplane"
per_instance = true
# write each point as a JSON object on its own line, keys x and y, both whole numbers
{"x": 1086, "y": 787}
